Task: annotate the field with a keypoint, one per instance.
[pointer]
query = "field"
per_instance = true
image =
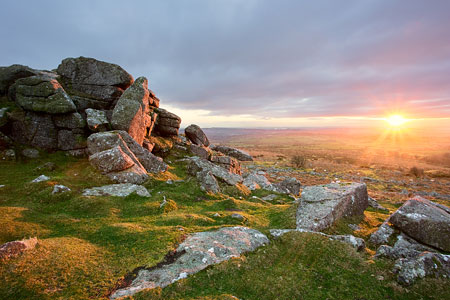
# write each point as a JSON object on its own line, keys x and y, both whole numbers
{"x": 87, "y": 245}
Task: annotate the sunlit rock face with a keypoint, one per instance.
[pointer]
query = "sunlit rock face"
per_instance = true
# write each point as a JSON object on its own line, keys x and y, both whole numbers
{"x": 196, "y": 253}
{"x": 322, "y": 205}
{"x": 131, "y": 112}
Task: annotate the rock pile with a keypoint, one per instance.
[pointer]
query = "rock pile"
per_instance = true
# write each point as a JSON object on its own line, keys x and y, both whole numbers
{"x": 423, "y": 229}
{"x": 213, "y": 164}
{"x": 121, "y": 158}
{"x": 58, "y": 110}
{"x": 421, "y": 219}
{"x": 66, "y": 110}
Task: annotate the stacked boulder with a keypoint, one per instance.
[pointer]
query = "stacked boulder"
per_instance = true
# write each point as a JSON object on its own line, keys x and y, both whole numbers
{"x": 167, "y": 123}
{"x": 423, "y": 230}
{"x": 121, "y": 158}
{"x": 207, "y": 165}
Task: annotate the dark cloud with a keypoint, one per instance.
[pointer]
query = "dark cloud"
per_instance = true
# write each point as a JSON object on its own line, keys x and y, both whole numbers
{"x": 266, "y": 58}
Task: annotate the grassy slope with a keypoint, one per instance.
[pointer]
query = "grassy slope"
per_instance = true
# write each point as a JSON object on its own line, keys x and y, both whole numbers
{"x": 88, "y": 243}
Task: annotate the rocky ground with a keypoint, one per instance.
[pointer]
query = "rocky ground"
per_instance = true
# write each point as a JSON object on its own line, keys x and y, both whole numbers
{"x": 102, "y": 197}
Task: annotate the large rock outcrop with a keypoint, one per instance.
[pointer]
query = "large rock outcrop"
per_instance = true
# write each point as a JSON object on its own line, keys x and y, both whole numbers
{"x": 425, "y": 264}
{"x": 322, "y": 205}
{"x": 198, "y": 251}
{"x": 59, "y": 110}
{"x": 93, "y": 83}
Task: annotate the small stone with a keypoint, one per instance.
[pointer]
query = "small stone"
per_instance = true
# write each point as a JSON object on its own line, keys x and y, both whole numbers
{"x": 270, "y": 197}
{"x": 48, "y": 166}
{"x": 30, "y": 153}
{"x": 373, "y": 203}
{"x": 9, "y": 154}
{"x": 216, "y": 215}
{"x": 354, "y": 227}
{"x": 59, "y": 188}
{"x": 40, "y": 179}
{"x": 238, "y": 216}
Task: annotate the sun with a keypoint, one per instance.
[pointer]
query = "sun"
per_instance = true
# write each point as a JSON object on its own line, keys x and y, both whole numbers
{"x": 396, "y": 120}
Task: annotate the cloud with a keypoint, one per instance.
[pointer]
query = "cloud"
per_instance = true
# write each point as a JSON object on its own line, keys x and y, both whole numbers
{"x": 269, "y": 59}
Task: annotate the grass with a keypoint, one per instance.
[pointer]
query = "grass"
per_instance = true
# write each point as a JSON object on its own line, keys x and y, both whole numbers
{"x": 87, "y": 244}
{"x": 297, "y": 266}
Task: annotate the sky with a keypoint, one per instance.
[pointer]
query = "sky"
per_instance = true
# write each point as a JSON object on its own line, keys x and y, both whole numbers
{"x": 250, "y": 63}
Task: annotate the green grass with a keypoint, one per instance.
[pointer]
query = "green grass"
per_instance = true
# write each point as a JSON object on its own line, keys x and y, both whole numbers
{"x": 87, "y": 244}
{"x": 297, "y": 266}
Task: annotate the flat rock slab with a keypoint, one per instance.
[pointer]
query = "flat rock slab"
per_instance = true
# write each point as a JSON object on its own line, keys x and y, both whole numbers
{"x": 117, "y": 190}
{"x": 322, "y": 205}
{"x": 196, "y": 253}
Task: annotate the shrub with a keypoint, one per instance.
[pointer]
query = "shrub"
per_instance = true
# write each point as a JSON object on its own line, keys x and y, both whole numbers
{"x": 298, "y": 161}
{"x": 417, "y": 172}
